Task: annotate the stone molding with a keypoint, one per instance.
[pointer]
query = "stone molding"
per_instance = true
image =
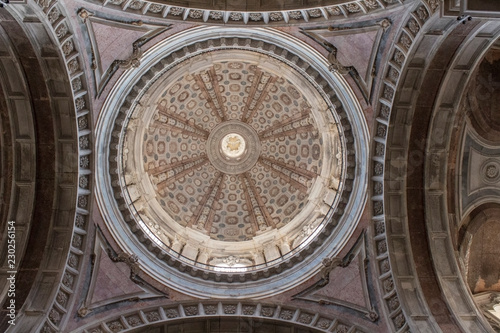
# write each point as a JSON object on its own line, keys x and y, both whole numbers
{"x": 131, "y": 321}
{"x": 405, "y": 43}
{"x": 56, "y": 22}
{"x": 395, "y": 278}
{"x": 343, "y": 10}
{"x": 489, "y": 302}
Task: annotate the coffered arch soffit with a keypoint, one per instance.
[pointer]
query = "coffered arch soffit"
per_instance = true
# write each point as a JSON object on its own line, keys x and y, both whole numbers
{"x": 440, "y": 107}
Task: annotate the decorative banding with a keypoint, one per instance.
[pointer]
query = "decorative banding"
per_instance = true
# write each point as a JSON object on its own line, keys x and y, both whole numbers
{"x": 154, "y": 316}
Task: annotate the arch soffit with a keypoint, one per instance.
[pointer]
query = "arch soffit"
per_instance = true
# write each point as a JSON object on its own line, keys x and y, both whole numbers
{"x": 394, "y": 206}
{"x": 173, "y": 313}
{"x": 72, "y": 156}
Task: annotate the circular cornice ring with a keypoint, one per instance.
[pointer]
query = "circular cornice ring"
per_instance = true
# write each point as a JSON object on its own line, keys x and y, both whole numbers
{"x": 237, "y": 161}
{"x": 339, "y": 224}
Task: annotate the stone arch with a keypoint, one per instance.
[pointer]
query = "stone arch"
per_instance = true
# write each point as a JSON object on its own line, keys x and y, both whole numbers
{"x": 401, "y": 162}
{"x": 42, "y": 169}
{"x": 254, "y": 14}
{"x": 415, "y": 177}
{"x": 247, "y": 312}
{"x": 482, "y": 97}
{"x": 386, "y": 166}
{"x": 212, "y": 325}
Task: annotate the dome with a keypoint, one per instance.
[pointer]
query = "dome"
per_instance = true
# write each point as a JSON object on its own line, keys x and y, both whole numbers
{"x": 233, "y": 154}
{"x": 231, "y": 158}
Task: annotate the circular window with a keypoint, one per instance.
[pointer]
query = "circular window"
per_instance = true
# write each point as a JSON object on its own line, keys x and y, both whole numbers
{"x": 231, "y": 162}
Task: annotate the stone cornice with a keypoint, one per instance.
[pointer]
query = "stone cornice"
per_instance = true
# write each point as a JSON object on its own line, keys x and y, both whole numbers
{"x": 342, "y": 10}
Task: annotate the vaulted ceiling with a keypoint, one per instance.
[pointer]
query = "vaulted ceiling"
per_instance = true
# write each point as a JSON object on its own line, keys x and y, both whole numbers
{"x": 283, "y": 166}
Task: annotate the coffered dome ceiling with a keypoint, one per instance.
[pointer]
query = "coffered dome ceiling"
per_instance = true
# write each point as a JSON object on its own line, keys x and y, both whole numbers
{"x": 232, "y": 159}
{"x": 234, "y": 147}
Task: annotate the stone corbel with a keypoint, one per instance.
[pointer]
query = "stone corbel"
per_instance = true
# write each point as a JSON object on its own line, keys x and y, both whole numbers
{"x": 177, "y": 244}
{"x": 258, "y": 258}
{"x": 271, "y": 251}
{"x": 203, "y": 256}
{"x": 487, "y": 302}
{"x": 285, "y": 246}
{"x": 131, "y": 178}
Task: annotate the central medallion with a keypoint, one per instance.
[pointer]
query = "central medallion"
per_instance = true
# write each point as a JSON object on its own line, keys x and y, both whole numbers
{"x": 233, "y": 147}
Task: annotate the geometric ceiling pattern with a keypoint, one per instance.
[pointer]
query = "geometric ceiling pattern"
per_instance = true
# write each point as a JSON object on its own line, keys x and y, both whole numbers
{"x": 278, "y": 183}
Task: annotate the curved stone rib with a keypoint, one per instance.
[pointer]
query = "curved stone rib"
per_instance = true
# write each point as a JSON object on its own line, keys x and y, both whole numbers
{"x": 170, "y": 176}
{"x": 280, "y": 124}
{"x": 248, "y": 199}
{"x": 209, "y": 85}
{"x": 177, "y": 123}
{"x": 258, "y": 91}
{"x": 259, "y": 210}
{"x": 210, "y": 218}
{"x": 292, "y": 168}
{"x": 288, "y": 128}
{"x": 285, "y": 174}
{"x": 203, "y": 211}
{"x": 165, "y": 168}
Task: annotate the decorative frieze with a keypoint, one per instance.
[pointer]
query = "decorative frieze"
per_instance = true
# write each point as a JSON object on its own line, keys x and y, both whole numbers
{"x": 268, "y": 311}
{"x": 345, "y": 9}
